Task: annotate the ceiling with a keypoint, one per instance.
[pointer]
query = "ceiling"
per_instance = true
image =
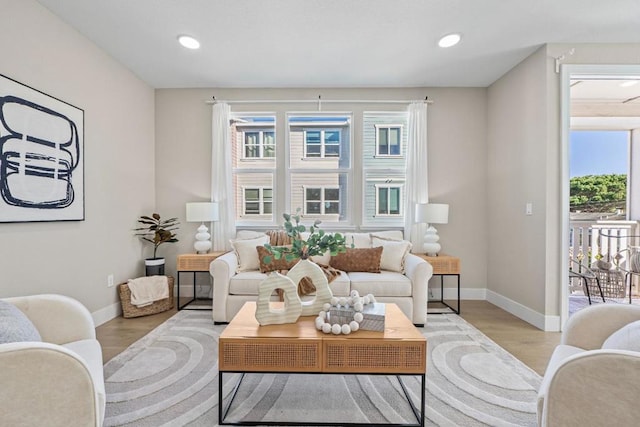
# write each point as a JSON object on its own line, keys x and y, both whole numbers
{"x": 605, "y": 103}
{"x": 338, "y": 43}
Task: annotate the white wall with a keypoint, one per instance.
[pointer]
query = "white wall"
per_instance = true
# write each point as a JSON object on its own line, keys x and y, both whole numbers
{"x": 456, "y": 169}
{"x": 74, "y": 258}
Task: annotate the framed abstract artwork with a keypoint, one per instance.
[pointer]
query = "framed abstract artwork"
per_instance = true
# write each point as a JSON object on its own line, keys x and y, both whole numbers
{"x": 41, "y": 156}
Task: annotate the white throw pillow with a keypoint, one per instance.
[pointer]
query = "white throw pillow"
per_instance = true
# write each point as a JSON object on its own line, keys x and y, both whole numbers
{"x": 359, "y": 240}
{"x": 247, "y": 253}
{"x": 625, "y": 338}
{"x": 393, "y": 253}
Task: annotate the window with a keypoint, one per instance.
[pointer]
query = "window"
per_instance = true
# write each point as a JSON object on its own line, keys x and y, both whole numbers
{"x": 321, "y": 201}
{"x": 388, "y": 200}
{"x": 259, "y": 144}
{"x": 388, "y": 140}
{"x": 322, "y": 143}
{"x": 258, "y": 201}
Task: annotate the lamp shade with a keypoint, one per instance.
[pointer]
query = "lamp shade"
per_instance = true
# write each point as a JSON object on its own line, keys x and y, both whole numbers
{"x": 432, "y": 213}
{"x": 202, "y": 211}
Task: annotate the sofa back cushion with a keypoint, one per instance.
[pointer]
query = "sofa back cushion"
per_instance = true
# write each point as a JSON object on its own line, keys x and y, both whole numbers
{"x": 358, "y": 259}
{"x": 15, "y": 326}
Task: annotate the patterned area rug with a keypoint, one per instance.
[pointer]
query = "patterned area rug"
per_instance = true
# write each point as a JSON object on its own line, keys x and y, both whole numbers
{"x": 170, "y": 378}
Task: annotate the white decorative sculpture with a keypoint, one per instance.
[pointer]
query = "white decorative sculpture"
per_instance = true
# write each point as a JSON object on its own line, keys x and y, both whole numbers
{"x": 265, "y": 315}
{"x": 306, "y": 268}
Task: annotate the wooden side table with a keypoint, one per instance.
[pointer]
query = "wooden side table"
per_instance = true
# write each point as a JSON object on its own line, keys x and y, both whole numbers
{"x": 193, "y": 263}
{"x": 445, "y": 265}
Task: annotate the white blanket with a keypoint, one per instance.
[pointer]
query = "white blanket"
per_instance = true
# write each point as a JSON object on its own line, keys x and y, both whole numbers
{"x": 146, "y": 290}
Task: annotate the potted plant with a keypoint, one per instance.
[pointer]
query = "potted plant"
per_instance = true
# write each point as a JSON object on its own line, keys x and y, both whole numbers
{"x": 156, "y": 231}
{"x": 317, "y": 243}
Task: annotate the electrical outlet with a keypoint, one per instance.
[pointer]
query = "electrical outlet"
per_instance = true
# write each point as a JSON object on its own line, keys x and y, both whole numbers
{"x": 528, "y": 209}
{"x": 110, "y": 281}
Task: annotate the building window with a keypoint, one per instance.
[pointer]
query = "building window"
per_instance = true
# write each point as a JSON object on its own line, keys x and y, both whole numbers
{"x": 321, "y": 200}
{"x": 321, "y": 143}
{"x": 259, "y": 144}
{"x": 388, "y": 140}
{"x": 388, "y": 200}
{"x": 258, "y": 201}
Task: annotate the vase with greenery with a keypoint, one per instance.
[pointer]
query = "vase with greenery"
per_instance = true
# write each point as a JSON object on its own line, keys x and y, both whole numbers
{"x": 318, "y": 242}
{"x": 156, "y": 231}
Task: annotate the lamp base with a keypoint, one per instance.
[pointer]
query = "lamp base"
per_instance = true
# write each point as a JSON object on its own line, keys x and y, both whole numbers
{"x": 202, "y": 244}
{"x": 431, "y": 246}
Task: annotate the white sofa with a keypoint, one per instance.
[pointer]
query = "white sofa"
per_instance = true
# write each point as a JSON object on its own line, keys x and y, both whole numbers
{"x": 593, "y": 376}
{"x": 58, "y": 381}
{"x": 408, "y": 290}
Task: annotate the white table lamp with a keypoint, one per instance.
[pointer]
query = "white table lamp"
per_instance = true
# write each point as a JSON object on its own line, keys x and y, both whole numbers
{"x": 432, "y": 213}
{"x": 202, "y": 212}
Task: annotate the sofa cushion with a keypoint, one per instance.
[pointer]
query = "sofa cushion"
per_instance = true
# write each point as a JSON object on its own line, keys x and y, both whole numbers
{"x": 358, "y": 259}
{"x": 625, "y": 338}
{"x": 274, "y": 264}
{"x": 393, "y": 253}
{"x": 246, "y": 283}
{"x": 246, "y": 252}
{"x": 359, "y": 240}
{"x": 383, "y": 284}
{"x": 15, "y": 326}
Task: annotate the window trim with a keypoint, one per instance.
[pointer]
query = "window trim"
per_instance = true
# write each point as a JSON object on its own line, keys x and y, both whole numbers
{"x": 322, "y": 144}
{"x": 388, "y": 127}
{"x": 389, "y": 186}
{"x": 260, "y": 200}
{"x": 261, "y": 144}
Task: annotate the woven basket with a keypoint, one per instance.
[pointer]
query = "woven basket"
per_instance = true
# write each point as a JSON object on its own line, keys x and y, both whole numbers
{"x": 130, "y": 310}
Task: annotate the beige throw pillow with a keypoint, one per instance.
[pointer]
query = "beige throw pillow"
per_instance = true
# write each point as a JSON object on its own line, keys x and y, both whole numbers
{"x": 625, "y": 338}
{"x": 247, "y": 253}
{"x": 393, "y": 253}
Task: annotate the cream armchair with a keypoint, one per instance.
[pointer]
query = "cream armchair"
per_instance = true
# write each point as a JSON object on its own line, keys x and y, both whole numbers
{"x": 56, "y": 382}
{"x": 586, "y": 385}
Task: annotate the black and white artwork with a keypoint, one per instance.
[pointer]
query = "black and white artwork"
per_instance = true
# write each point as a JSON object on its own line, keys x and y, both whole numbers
{"x": 41, "y": 156}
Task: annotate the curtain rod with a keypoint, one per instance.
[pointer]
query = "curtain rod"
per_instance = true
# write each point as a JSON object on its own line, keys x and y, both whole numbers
{"x": 319, "y": 101}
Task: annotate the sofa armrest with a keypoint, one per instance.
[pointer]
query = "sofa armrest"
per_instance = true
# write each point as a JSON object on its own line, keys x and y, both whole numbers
{"x": 590, "y": 327}
{"x": 419, "y": 272}
{"x": 222, "y": 269}
{"x": 45, "y": 384}
{"x": 592, "y": 388}
{"x": 58, "y": 318}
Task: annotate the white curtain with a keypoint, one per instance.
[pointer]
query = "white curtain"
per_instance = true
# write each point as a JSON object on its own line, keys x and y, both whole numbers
{"x": 221, "y": 177}
{"x": 416, "y": 188}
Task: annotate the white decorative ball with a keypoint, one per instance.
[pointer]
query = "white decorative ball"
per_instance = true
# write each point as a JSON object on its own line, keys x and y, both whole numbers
{"x": 336, "y": 329}
{"x": 358, "y": 317}
{"x": 346, "y": 306}
{"x": 334, "y": 301}
{"x": 366, "y": 300}
{"x": 354, "y": 326}
{"x": 322, "y": 315}
{"x": 326, "y": 328}
{"x": 346, "y": 329}
{"x": 355, "y": 294}
{"x": 372, "y": 299}
{"x": 358, "y": 306}
{"x": 342, "y": 301}
{"x": 326, "y": 306}
{"x": 319, "y": 323}
{"x": 349, "y": 301}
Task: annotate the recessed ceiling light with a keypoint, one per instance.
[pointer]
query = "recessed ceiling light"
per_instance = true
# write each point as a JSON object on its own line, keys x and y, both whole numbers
{"x": 629, "y": 83}
{"x": 449, "y": 40}
{"x": 189, "y": 42}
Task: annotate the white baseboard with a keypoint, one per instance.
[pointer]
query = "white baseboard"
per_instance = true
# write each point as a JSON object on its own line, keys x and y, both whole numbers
{"x": 107, "y": 313}
{"x": 540, "y": 321}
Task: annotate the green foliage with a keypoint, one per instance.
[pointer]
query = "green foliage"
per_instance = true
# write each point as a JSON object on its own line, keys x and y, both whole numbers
{"x": 598, "y": 193}
{"x": 157, "y": 231}
{"x": 317, "y": 243}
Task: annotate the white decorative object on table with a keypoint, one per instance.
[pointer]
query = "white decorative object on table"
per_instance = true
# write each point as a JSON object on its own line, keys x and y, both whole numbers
{"x": 265, "y": 315}
{"x": 343, "y": 316}
{"x": 431, "y": 213}
{"x": 307, "y": 268}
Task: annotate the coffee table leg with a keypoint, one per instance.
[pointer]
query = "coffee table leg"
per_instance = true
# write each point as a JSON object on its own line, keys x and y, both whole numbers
{"x": 418, "y": 414}
{"x": 222, "y": 415}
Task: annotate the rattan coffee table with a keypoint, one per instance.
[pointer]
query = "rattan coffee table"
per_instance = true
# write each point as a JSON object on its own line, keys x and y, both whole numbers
{"x": 246, "y": 347}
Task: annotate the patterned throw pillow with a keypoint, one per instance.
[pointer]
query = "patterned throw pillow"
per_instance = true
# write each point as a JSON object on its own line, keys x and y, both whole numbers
{"x": 358, "y": 259}
{"x": 275, "y": 264}
{"x": 15, "y": 326}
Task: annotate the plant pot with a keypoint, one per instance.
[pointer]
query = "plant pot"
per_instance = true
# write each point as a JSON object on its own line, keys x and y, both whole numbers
{"x": 154, "y": 266}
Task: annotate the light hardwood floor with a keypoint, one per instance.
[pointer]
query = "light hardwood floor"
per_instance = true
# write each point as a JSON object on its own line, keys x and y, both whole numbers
{"x": 529, "y": 344}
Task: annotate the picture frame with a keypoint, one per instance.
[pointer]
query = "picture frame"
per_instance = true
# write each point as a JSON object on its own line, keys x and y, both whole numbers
{"x": 41, "y": 156}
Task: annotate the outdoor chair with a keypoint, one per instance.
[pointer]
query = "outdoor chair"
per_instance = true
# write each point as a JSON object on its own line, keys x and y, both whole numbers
{"x": 587, "y": 276}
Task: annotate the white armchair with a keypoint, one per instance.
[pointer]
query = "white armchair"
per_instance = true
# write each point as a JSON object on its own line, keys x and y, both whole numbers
{"x": 587, "y": 385}
{"x": 56, "y": 382}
